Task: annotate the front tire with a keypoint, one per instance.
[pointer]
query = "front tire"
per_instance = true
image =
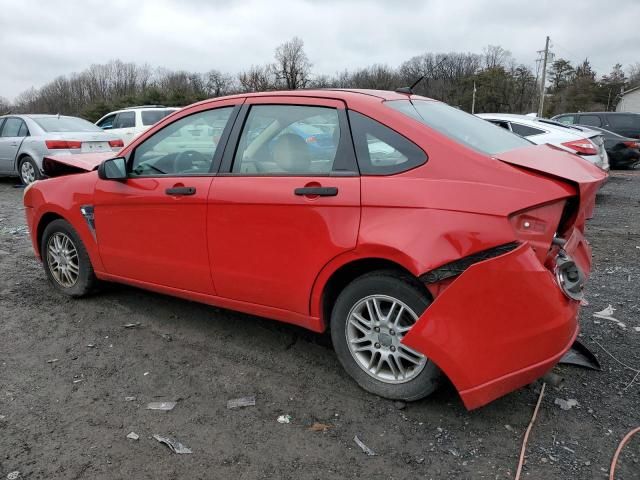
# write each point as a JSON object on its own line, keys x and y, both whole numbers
{"x": 65, "y": 259}
{"x": 368, "y": 322}
{"x": 28, "y": 171}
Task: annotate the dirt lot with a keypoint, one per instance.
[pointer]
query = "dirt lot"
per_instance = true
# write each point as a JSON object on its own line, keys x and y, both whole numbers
{"x": 69, "y": 419}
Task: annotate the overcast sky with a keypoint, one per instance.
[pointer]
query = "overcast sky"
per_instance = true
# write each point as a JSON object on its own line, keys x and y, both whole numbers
{"x": 40, "y": 40}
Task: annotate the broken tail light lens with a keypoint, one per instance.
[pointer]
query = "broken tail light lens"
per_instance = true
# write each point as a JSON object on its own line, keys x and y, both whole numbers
{"x": 582, "y": 147}
{"x": 62, "y": 144}
{"x": 116, "y": 143}
{"x": 538, "y": 225}
{"x": 632, "y": 144}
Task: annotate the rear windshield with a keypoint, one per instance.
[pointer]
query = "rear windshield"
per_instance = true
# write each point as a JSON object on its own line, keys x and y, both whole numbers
{"x": 149, "y": 117}
{"x": 65, "y": 124}
{"x": 460, "y": 126}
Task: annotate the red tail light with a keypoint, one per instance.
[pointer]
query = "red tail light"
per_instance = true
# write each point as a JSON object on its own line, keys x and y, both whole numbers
{"x": 538, "y": 225}
{"x": 311, "y": 139}
{"x": 62, "y": 144}
{"x": 582, "y": 147}
{"x": 632, "y": 144}
{"x": 116, "y": 143}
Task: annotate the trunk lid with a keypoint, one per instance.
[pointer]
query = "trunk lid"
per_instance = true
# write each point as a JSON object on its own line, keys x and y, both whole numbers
{"x": 557, "y": 163}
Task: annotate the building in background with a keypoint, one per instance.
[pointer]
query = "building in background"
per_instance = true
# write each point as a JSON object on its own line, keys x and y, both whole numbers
{"x": 629, "y": 101}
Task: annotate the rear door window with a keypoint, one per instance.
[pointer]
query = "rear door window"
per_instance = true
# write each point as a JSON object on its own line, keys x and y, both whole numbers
{"x": 288, "y": 140}
{"x": 149, "y": 117}
{"x": 593, "y": 120}
{"x": 125, "y": 120}
{"x": 525, "y": 131}
{"x": 381, "y": 150}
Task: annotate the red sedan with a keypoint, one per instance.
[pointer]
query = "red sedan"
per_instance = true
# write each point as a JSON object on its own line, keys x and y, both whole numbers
{"x": 429, "y": 241}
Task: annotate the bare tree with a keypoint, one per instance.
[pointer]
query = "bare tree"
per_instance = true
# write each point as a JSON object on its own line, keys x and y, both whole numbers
{"x": 292, "y": 67}
{"x": 218, "y": 83}
{"x": 256, "y": 79}
{"x": 5, "y": 106}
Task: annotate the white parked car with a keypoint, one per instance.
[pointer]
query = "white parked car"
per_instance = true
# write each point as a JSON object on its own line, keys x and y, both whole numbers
{"x": 589, "y": 144}
{"x": 130, "y": 122}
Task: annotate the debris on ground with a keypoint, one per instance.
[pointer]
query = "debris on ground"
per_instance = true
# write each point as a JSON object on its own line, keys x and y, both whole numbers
{"x": 132, "y": 325}
{"x": 249, "y": 401}
{"x": 91, "y": 345}
{"x": 19, "y": 230}
{"x": 166, "y": 406}
{"x": 133, "y": 436}
{"x": 284, "y": 419}
{"x": 53, "y": 360}
{"x": 319, "y": 427}
{"x": 145, "y": 374}
{"x": 129, "y": 399}
{"x": 607, "y": 314}
{"x": 363, "y": 447}
{"x": 167, "y": 337}
{"x": 566, "y": 404}
{"x": 13, "y": 475}
{"x": 174, "y": 445}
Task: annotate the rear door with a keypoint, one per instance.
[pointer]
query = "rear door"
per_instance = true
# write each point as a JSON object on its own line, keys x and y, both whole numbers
{"x": 151, "y": 227}
{"x": 11, "y": 136}
{"x": 285, "y": 203}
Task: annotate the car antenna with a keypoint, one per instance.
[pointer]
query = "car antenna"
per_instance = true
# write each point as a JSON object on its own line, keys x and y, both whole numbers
{"x": 409, "y": 90}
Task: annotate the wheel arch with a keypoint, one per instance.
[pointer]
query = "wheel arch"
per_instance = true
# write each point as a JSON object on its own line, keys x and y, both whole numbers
{"x": 338, "y": 275}
{"x": 45, "y": 220}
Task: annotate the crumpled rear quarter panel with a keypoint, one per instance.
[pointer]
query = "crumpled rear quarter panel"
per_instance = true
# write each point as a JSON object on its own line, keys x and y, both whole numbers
{"x": 500, "y": 325}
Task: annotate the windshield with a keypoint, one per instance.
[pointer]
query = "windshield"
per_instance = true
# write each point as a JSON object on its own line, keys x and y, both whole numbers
{"x": 66, "y": 124}
{"x": 460, "y": 126}
{"x": 149, "y": 117}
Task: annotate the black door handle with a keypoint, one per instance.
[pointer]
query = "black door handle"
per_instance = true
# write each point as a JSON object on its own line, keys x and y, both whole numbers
{"x": 319, "y": 191}
{"x": 180, "y": 191}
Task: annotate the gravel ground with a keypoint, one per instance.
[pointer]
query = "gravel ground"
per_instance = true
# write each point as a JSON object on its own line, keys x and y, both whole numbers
{"x": 69, "y": 418}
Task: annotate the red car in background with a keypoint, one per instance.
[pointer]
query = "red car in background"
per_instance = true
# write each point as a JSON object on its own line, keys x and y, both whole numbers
{"x": 429, "y": 241}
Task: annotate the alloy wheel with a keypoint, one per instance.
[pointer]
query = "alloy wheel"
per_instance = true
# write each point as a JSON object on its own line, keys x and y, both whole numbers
{"x": 374, "y": 330}
{"x": 27, "y": 172}
{"x": 62, "y": 259}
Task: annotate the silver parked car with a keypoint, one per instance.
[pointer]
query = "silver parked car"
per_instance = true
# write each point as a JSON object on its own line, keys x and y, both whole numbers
{"x": 26, "y": 139}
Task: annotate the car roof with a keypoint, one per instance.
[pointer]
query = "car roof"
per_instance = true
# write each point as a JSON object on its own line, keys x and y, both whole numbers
{"x": 344, "y": 94}
{"x": 36, "y": 115}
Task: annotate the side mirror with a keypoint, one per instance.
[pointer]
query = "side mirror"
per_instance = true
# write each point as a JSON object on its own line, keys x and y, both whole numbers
{"x": 113, "y": 169}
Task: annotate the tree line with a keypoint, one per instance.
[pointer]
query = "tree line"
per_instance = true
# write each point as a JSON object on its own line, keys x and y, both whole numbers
{"x": 501, "y": 84}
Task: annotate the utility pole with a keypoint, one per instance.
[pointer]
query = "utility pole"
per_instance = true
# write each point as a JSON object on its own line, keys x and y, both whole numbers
{"x": 544, "y": 78}
{"x": 473, "y": 101}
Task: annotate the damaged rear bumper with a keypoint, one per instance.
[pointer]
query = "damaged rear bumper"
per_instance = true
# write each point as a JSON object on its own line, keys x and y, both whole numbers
{"x": 500, "y": 325}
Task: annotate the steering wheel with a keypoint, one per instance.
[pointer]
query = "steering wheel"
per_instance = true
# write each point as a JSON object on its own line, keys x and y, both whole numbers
{"x": 185, "y": 160}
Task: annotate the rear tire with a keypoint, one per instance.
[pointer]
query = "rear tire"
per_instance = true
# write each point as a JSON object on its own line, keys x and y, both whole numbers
{"x": 65, "y": 260}
{"x": 370, "y": 317}
{"x": 28, "y": 171}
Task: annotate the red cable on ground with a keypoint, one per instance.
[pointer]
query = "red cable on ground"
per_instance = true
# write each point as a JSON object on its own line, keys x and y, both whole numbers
{"x": 623, "y": 442}
{"x": 526, "y": 435}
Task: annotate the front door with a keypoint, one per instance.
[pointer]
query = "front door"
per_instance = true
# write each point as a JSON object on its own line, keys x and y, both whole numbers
{"x": 286, "y": 202}
{"x": 152, "y": 226}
